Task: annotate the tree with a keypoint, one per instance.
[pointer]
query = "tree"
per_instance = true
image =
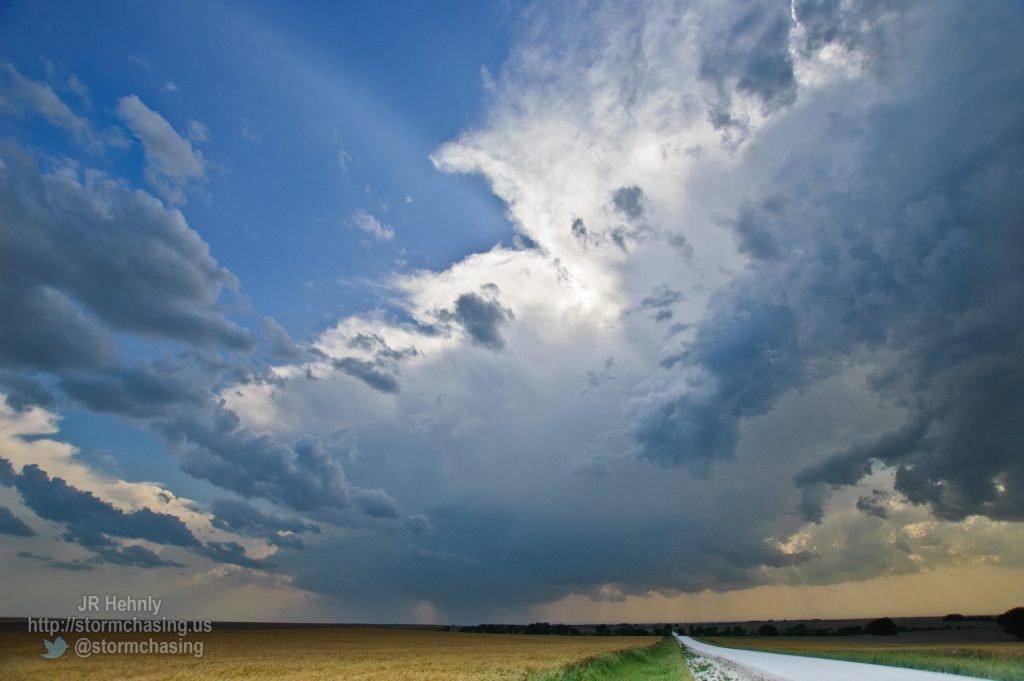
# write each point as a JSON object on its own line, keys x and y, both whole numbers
{"x": 883, "y": 626}
{"x": 767, "y": 630}
{"x": 1012, "y": 622}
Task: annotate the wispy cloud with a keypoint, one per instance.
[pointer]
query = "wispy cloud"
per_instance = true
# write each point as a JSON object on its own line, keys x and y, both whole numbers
{"x": 372, "y": 226}
{"x": 172, "y": 163}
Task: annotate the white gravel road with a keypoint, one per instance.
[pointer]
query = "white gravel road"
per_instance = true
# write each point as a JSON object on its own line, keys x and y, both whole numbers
{"x": 776, "y": 667}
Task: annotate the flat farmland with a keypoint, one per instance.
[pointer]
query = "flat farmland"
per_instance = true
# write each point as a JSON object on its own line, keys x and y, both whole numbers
{"x": 319, "y": 654}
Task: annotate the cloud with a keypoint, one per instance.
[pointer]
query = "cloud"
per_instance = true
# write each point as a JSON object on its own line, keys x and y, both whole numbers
{"x": 41, "y": 99}
{"x": 171, "y": 161}
{"x": 368, "y": 373}
{"x": 85, "y": 253}
{"x": 91, "y": 522}
{"x": 243, "y": 518}
{"x": 281, "y": 344}
{"x": 745, "y": 52}
{"x": 230, "y": 552}
{"x": 372, "y": 226}
{"x": 376, "y": 503}
{"x": 831, "y": 224}
{"x": 629, "y": 201}
{"x": 480, "y": 317}
{"x": 107, "y": 550}
{"x": 150, "y": 389}
{"x": 72, "y": 565}
{"x": 825, "y": 295}
{"x": 197, "y": 132}
{"x": 7, "y": 473}
{"x": 217, "y": 448}
{"x": 249, "y": 132}
{"x": 89, "y": 516}
{"x": 24, "y": 391}
{"x": 743, "y": 358}
{"x": 11, "y": 524}
{"x": 752, "y": 237}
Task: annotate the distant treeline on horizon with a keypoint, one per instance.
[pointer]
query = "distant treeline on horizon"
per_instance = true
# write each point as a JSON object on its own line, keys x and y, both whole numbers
{"x": 546, "y": 629}
{"x": 882, "y": 626}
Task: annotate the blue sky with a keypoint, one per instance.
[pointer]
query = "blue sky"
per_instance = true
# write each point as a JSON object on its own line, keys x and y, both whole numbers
{"x": 374, "y": 84}
{"x": 468, "y": 311}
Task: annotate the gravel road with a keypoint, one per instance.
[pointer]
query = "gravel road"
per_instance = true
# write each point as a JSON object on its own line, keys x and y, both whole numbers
{"x": 751, "y": 664}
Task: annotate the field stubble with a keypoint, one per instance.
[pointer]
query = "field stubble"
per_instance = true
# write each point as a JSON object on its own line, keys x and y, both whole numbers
{"x": 320, "y": 654}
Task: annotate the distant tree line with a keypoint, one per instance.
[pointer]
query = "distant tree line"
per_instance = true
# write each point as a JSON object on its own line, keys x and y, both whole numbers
{"x": 1011, "y": 621}
{"x": 546, "y": 629}
{"x": 882, "y": 626}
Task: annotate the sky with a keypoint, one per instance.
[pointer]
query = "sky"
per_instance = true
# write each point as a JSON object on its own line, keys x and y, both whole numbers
{"x": 463, "y": 312}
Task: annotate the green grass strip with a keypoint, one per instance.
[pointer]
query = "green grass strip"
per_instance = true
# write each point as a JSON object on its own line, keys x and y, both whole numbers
{"x": 660, "y": 662}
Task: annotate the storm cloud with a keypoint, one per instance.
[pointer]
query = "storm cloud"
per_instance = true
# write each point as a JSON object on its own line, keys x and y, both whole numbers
{"x": 12, "y": 524}
{"x": 238, "y": 516}
{"x": 84, "y": 254}
{"x": 90, "y": 517}
{"x": 795, "y": 228}
{"x": 481, "y": 318}
{"x": 916, "y": 262}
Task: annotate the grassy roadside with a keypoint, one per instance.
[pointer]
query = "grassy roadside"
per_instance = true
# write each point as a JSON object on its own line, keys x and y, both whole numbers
{"x": 660, "y": 662}
{"x": 997, "y": 661}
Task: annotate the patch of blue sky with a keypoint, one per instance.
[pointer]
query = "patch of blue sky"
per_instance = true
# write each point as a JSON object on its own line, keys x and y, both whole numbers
{"x": 314, "y": 113}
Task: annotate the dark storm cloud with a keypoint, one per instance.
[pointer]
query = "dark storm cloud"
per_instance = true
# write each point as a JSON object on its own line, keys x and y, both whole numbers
{"x": 280, "y": 343}
{"x": 661, "y": 297}
{"x": 579, "y": 229}
{"x": 753, "y": 237}
{"x": 109, "y": 551}
{"x": 376, "y": 503}
{"x": 149, "y": 389}
{"x": 29, "y": 337}
{"x": 849, "y": 466}
{"x": 751, "y": 349}
{"x": 482, "y": 318}
{"x": 230, "y": 552}
{"x": 91, "y": 523}
{"x": 661, "y": 300}
{"x": 12, "y": 524}
{"x": 78, "y": 257}
{"x": 215, "y": 447}
{"x": 369, "y": 373}
{"x": 383, "y": 354}
{"x": 418, "y": 524}
{"x": 24, "y": 391}
{"x": 72, "y": 565}
{"x": 875, "y": 504}
{"x": 84, "y": 256}
{"x": 7, "y": 474}
{"x": 749, "y": 53}
{"x": 918, "y": 259}
{"x": 477, "y": 559}
{"x": 629, "y": 201}
{"x": 54, "y": 499}
{"x": 595, "y": 379}
{"x": 856, "y": 26}
{"x": 242, "y": 518}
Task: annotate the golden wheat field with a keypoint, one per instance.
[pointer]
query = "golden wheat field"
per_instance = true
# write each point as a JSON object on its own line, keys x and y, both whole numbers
{"x": 319, "y": 654}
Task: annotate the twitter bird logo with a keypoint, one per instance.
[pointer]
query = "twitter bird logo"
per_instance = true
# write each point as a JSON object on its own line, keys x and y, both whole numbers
{"x": 54, "y": 648}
